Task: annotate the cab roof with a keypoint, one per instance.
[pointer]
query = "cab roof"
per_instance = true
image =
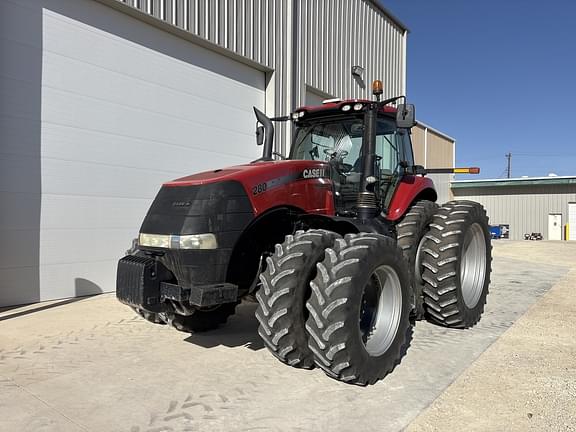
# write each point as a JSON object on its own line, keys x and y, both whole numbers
{"x": 332, "y": 106}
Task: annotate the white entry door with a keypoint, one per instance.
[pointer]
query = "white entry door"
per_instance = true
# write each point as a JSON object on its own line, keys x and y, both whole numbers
{"x": 572, "y": 221}
{"x": 554, "y": 227}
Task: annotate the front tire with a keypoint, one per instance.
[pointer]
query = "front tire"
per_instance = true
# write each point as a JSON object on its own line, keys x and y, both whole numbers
{"x": 359, "y": 322}
{"x": 457, "y": 257}
{"x": 152, "y": 317}
{"x": 285, "y": 289}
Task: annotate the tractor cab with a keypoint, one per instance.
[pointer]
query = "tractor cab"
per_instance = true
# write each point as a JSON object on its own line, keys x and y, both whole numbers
{"x": 336, "y": 134}
{"x": 365, "y": 144}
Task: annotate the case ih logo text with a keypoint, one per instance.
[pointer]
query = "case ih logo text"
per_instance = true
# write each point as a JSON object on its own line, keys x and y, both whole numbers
{"x": 314, "y": 173}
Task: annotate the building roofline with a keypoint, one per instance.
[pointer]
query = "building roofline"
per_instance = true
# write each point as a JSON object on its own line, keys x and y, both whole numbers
{"x": 522, "y": 181}
{"x": 379, "y": 4}
{"x": 436, "y": 131}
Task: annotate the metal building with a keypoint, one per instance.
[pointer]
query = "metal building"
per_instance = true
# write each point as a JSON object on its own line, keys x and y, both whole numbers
{"x": 435, "y": 149}
{"x": 103, "y": 100}
{"x": 545, "y": 205}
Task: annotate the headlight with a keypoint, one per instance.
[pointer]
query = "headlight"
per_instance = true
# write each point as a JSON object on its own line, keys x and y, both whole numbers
{"x": 154, "y": 240}
{"x": 171, "y": 241}
{"x": 198, "y": 241}
{"x": 358, "y": 107}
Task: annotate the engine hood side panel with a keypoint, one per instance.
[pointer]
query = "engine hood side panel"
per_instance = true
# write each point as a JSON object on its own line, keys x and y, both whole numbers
{"x": 298, "y": 183}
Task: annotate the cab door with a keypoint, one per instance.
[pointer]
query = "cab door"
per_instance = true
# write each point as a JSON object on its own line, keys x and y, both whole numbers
{"x": 389, "y": 152}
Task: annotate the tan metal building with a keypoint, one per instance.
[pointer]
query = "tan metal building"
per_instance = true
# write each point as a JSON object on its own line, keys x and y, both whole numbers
{"x": 434, "y": 149}
{"x": 545, "y": 205}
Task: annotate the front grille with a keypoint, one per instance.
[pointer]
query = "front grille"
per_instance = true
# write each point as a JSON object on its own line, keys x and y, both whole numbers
{"x": 212, "y": 208}
{"x": 221, "y": 208}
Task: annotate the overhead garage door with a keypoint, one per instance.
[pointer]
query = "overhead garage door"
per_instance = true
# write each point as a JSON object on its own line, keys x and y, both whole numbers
{"x": 98, "y": 109}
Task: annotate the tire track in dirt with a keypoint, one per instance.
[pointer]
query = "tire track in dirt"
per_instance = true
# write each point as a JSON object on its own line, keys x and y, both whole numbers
{"x": 67, "y": 352}
{"x": 210, "y": 411}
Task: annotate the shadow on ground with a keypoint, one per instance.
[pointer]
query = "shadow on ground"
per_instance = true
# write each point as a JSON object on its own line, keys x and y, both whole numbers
{"x": 240, "y": 330}
{"x": 40, "y": 307}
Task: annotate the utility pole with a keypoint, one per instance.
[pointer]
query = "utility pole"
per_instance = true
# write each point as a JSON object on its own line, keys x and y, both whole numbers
{"x": 509, "y": 169}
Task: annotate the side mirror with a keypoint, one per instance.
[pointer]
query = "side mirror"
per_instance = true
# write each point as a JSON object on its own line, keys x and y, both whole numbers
{"x": 406, "y": 116}
{"x": 418, "y": 170}
{"x": 260, "y": 135}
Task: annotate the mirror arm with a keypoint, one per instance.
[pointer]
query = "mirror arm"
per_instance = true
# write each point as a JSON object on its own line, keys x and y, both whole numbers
{"x": 388, "y": 101}
{"x": 280, "y": 119}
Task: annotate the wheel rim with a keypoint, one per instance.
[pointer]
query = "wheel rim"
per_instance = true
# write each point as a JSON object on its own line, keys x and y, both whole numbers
{"x": 473, "y": 265}
{"x": 418, "y": 262}
{"x": 380, "y": 311}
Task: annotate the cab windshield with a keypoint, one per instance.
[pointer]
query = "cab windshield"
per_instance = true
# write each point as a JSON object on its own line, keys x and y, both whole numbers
{"x": 341, "y": 140}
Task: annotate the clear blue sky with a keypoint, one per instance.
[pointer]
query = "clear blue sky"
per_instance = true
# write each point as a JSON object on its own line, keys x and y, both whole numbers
{"x": 499, "y": 76}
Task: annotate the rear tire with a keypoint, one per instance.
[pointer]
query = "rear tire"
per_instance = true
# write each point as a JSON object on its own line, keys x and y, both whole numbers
{"x": 410, "y": 235}
{"x": 202, "y": 320}
{"x": 457, "y": 257}
{"x": 285, "y": 288}
{"x": 359, "y": 322}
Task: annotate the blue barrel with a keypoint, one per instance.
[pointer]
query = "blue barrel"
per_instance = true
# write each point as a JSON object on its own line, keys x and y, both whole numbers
{"x": 495, "y": 231}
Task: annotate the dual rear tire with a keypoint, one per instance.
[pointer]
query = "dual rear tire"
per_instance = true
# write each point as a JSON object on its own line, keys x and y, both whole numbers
{"x": 456, "y": 260}
{"x": 449, "y": 254}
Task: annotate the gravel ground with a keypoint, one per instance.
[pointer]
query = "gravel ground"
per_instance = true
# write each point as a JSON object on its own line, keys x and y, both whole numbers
{"x": 90, "y": 365}
{"x": 526, "y": 381}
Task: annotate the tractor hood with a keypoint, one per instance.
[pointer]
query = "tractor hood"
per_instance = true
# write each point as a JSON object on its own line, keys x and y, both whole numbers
{"x": 258, "y": 172}
{"x": 223, "y": 203}
{"x": 228, "y": 199}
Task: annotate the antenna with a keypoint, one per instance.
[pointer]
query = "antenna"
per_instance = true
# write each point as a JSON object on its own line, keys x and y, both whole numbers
{"x": 509, "y": 168}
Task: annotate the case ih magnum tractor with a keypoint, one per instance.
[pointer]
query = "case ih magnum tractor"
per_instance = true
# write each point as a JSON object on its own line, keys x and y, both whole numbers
{"x": 341, "y": 243}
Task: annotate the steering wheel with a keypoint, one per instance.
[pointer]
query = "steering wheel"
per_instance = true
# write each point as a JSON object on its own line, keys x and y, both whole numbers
{"x": 333, "y": 153}
{"x": 337, "y": 160}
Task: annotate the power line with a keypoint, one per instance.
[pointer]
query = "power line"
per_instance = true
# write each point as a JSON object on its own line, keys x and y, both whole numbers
{"x": 540, "y": 155}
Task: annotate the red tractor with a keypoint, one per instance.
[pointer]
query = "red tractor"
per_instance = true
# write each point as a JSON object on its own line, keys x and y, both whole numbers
{"x": 341, "y": 243}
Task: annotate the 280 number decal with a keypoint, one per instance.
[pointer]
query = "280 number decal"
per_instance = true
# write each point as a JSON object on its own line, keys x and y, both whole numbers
{"x": 259, "y": 188}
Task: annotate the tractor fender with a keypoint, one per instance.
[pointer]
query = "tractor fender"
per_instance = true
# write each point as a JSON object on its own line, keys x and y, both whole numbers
{"x": 336, "y": 224}
{"x": 410, "y": 189}
{"x": 258, "y": 237}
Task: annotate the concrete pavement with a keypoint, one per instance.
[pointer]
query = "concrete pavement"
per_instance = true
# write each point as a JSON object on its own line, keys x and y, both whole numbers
{"x": 91, "y": 365}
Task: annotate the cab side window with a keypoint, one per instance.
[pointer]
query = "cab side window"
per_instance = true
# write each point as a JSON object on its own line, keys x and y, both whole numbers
{"x": 388, "y": 148}
{"x": 407, "y": 154}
